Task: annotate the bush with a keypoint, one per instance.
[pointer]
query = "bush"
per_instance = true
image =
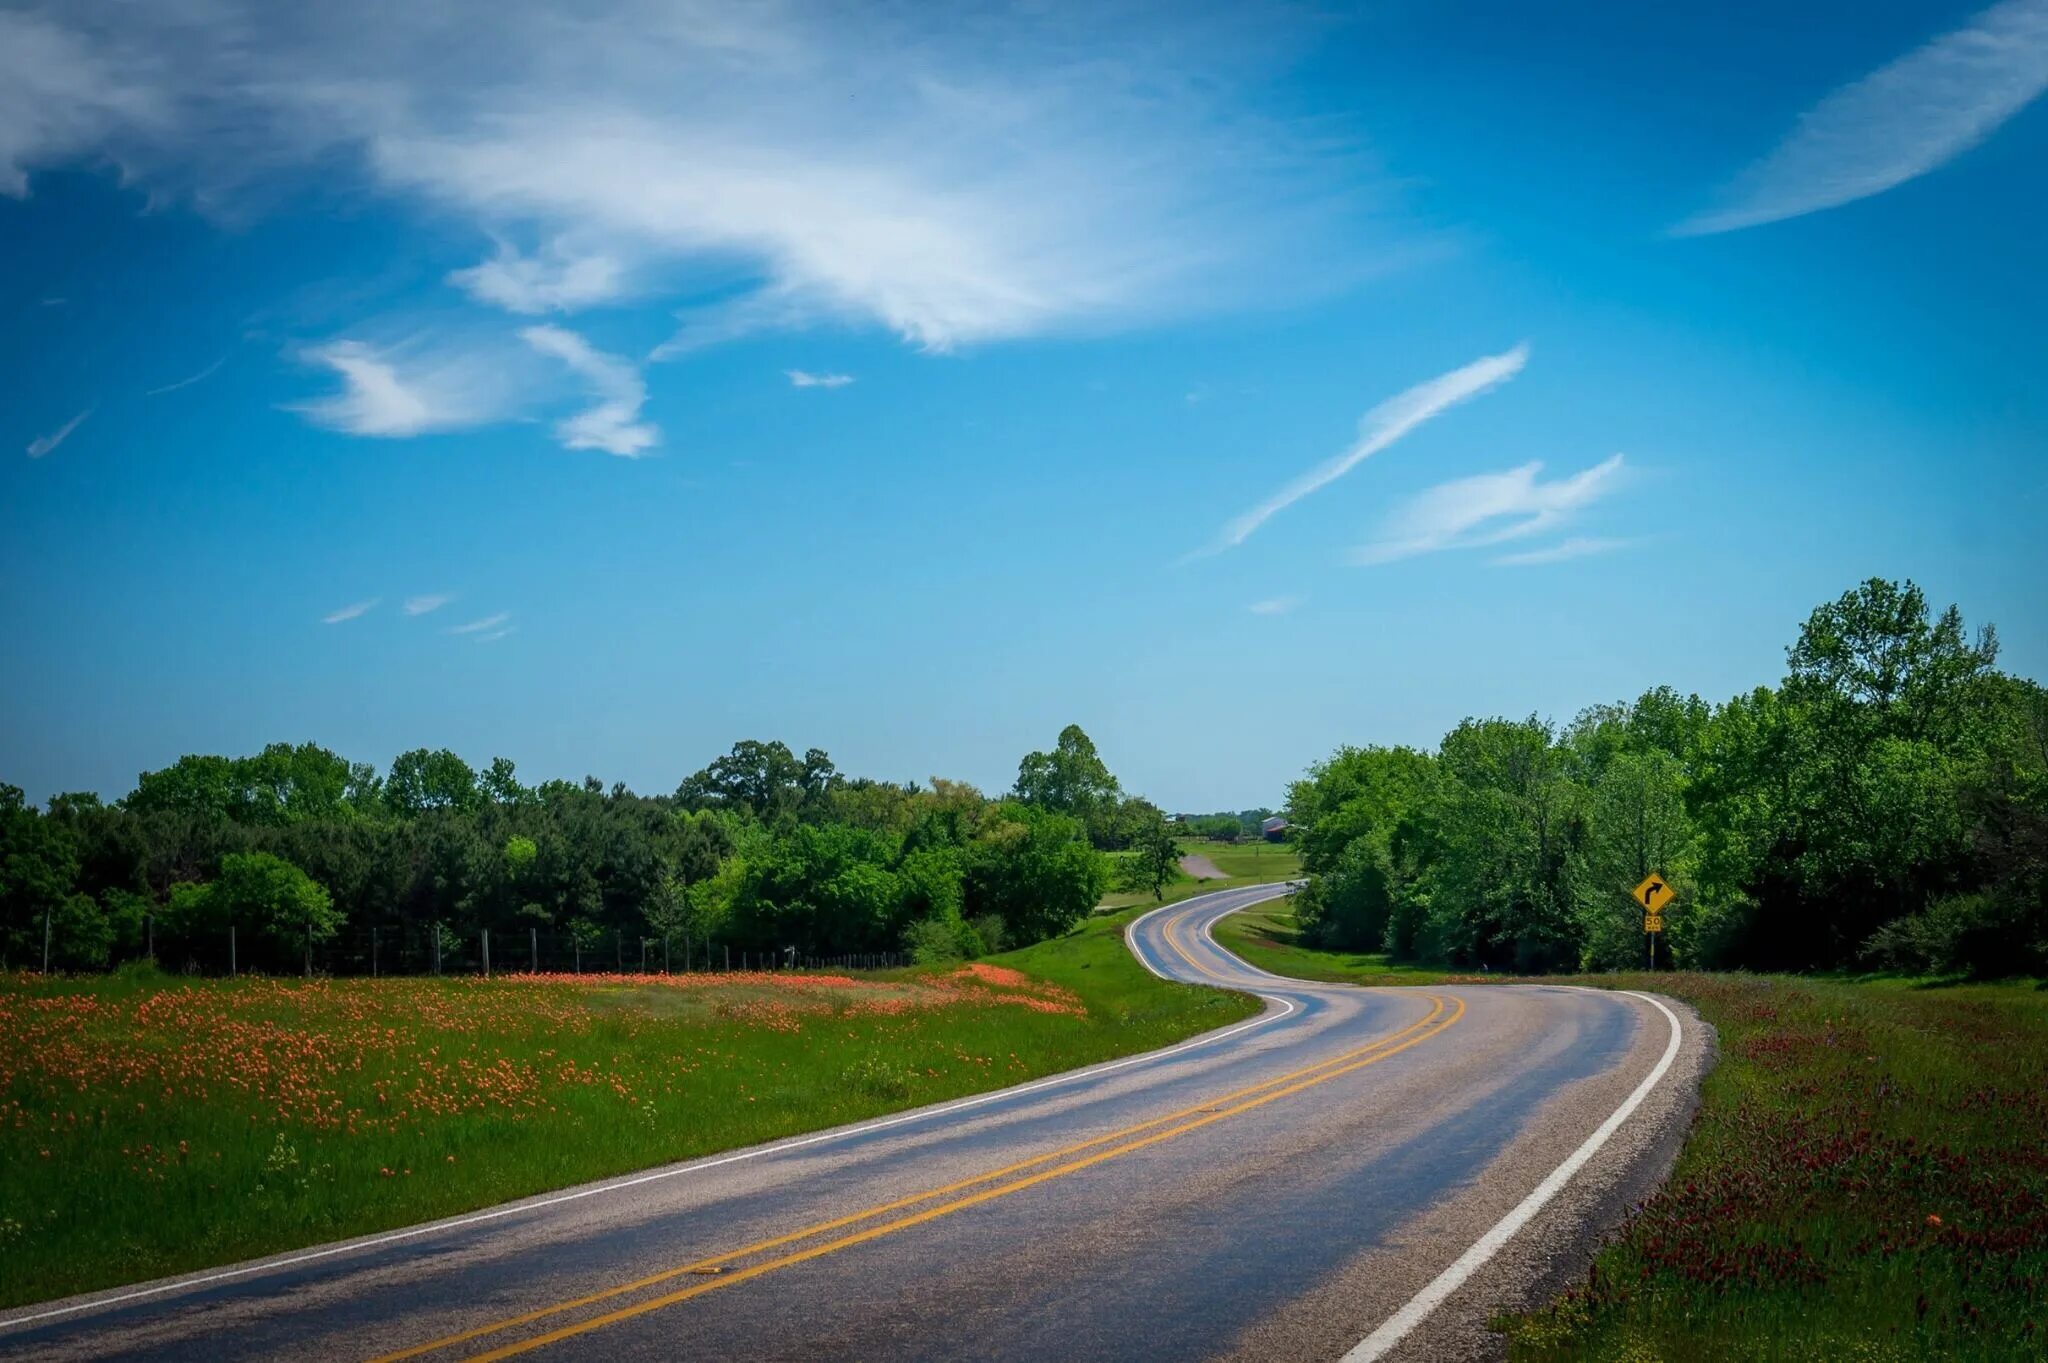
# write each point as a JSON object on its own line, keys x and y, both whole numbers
{"x": 938, "y": 940}
{"x": 1981, "y": 935}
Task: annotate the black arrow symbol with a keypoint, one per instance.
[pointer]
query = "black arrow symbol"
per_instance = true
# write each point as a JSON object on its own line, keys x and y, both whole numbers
{"x": 1652, "y": 890}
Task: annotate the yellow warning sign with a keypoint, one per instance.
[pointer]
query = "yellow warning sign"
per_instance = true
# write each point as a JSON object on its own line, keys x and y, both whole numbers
{"x": 1653, "y": 894}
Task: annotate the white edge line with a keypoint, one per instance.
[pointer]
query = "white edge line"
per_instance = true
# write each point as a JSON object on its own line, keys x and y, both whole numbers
{"x": 1397, "y": 1326}
{"x": 776, "y": 1148}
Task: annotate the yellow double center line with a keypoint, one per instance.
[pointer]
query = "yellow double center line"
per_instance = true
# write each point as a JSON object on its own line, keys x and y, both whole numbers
{"x": 1061, "y": 1163}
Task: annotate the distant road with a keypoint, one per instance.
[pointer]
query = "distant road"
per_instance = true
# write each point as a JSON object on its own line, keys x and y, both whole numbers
{"x": 1371, "y": 1173}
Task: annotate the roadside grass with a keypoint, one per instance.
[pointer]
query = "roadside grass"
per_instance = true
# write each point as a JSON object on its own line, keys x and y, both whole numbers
{"x": 1242, "y": 863}
{"x": 1867, "y": 1177}
{"x": 1266, "y": 936}
{"x": 151, "y": 1125}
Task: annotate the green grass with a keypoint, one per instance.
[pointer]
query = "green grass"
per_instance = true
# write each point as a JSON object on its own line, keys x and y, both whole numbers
{"x": 1265, "y": 935}
{"x": 152, "y": 1125}
{"x": 1867, "y": 1178}
{"x": 1242, "y": 863}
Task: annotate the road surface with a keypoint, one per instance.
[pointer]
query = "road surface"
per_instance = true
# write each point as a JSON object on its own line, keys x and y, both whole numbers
{"x": 1361, "y": 1173}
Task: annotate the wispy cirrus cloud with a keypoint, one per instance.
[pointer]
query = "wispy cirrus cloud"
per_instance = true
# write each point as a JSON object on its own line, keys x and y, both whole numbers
{"x": 494, "y": 635}
{"x": 44, "y": 444}
{"x": 612, "y": 423}
{"x": 1897, "y": 123}
{"x": 350, "y": 611}
{"x": 1487, "y": 509}
{"x": 558, "y": 279}
{"x": 405, "y": 391}
{"x": 1576, "y": 547}
{"x": 189, "y": 380}
{"x": 483, "y": 626}
{"x": 953, "y": 177}
{"x": 433, "y": 601}
{"x": 1379, "y": 428}
{"x": 800, "y": 378}
{"x": 1277, "y": 605}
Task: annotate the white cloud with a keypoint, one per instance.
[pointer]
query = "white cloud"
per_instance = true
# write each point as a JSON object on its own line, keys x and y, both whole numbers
{"x": 61, "y": 96}
{"x": 202, "y": 375}
{"x": 1576, "y": 547}
{"x": 350, "y": 612}
{"x": 1897, "y": 123}
{"x": 953, "y": 175}
{"x": 402, "y": 392}
{"x": 483, "y": 626}
{"x": 799, "y": 378}
{"x": 1381, "y": 427}
{"x": 1278, "y": 605}
{"x": 1487, "y": 509}
{"x": 611, "y": 424}
{"x": 44, "y": 444}
{"x": 420, "y": 605}
{"x": 559, "y": 280}
{"x": 496, "y": 634}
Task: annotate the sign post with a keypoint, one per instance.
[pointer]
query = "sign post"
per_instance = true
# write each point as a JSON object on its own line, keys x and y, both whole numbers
{"x": 1653, "y": 894}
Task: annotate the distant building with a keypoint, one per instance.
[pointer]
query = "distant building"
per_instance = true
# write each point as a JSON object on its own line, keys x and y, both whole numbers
{"x": 1274, "y": 829}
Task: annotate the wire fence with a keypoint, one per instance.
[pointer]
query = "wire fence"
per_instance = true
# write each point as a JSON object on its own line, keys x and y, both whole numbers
{"x": 435, "y": 949}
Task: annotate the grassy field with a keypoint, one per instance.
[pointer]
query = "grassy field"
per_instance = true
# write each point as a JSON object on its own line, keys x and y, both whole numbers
{"x": 150, "y": 1125}
{"x": 1867, "y": 1179}
{"x": 1265, "y": 935}
{"x": 1242, "y": 863}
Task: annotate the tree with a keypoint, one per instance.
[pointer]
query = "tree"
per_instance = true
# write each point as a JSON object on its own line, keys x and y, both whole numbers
{"x": 255, "y": 891}
{"x": 1154, "y": 859}
{"x": 38, "y": 864}
{"x": 1071, "y": 779}
{"x": 499, "y": 783}
{"x": 1034, "y": 870}
{"x": 422, "y": 781}
{"x": 763, "y": 779}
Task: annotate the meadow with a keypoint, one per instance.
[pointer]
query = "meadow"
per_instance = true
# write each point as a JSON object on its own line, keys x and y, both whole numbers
{"x": 151, "y": 1124}
{"x": 1266, "y": 936}
{"x": 1242, "y": 863}
{"x": 1867, "y": 1177}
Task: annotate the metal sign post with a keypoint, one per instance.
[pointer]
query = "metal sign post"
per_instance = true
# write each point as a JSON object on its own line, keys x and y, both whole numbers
{"x": 1653, "y": 894}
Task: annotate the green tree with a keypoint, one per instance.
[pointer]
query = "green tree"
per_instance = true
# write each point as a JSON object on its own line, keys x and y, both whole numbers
{"x": 255, "y": 892}
{"x": 1071, "y": 779}
{"x": 1034, "y": 870}
{"x": 1154, "y": 859}
{"x": 422, "y": 781}
{"x": 38, "y": 865}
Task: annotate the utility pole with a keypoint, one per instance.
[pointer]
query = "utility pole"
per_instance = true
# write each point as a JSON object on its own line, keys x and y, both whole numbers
{"x": 46, "y": 940}
{"x": 487, "y": 953}
{"x": 231, "y": 951}
{"x": 309, "y": 948}
{"x": 435, "y": 928}
{"x": 533, "y": 950}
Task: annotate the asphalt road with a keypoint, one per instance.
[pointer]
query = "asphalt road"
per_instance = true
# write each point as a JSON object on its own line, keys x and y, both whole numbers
{"x": 1371, "y": 1173}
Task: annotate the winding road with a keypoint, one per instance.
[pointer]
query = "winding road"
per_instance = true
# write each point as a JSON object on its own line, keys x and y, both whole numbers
{"x": 1353, "y": 1173}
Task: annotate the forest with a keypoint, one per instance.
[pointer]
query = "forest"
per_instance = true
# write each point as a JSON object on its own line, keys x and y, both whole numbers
{"x": 1883, "y": 807}
{"x": 298, "y": 859}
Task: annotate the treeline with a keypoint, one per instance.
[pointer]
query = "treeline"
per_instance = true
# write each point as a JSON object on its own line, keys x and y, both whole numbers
{"x": 761, "y": 852}
{"x": 1885, "y": 806}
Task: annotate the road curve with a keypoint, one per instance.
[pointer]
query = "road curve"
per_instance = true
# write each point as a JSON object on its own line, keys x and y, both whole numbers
{"x": 1359, "y": 1173}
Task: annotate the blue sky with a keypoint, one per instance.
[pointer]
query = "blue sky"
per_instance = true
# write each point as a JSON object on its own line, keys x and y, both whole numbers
{"x": 1235, "y": 383}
